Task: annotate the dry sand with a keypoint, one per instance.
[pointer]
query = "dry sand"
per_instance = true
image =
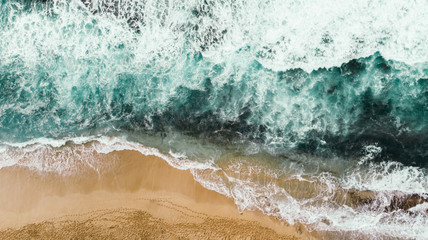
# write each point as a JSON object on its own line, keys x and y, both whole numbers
{"x": 134, "y": 197}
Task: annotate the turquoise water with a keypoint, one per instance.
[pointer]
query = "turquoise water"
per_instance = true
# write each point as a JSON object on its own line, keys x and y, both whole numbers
{"x": 324, "y": 80}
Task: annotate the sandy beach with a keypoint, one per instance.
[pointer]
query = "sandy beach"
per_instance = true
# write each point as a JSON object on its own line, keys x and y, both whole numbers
{"x": 132, "y": 197}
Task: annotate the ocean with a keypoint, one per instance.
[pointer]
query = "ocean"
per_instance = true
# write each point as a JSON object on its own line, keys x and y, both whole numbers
{"x": 313, "y": 112}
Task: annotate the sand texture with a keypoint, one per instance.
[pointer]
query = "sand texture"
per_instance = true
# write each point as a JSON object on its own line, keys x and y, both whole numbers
{"x": 132, "y": 197}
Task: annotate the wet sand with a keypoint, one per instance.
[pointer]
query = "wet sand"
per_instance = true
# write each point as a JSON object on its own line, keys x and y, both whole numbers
{"x": 131, "y": 196}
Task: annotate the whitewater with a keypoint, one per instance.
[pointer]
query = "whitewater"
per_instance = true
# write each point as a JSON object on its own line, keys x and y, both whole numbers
{"x": 310, "y": 111}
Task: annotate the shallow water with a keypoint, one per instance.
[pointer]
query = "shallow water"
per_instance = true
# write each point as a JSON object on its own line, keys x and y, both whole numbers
{"x": 314, "y": 112}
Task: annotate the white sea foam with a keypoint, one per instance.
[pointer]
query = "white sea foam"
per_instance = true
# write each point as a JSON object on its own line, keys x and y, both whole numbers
{"x": 319, "y": 210}
{"x": 388, "y": 176}
{"x": 281, "y": 34}
{"x": 47, "y": 155}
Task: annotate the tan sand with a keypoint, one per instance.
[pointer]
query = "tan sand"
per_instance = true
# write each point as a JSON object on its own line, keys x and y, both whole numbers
{"x": 135, "y": 197}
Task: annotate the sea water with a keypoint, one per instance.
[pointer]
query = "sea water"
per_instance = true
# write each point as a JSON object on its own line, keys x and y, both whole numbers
{"x": 309, "y": 111}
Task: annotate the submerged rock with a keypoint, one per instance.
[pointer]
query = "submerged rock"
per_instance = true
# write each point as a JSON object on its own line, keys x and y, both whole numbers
{"x": 406, "y": 202}
{"x": 358, "y": 198}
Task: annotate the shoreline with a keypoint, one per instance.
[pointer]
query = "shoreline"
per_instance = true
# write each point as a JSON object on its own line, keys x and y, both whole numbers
{"x": 132, "y": 196}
